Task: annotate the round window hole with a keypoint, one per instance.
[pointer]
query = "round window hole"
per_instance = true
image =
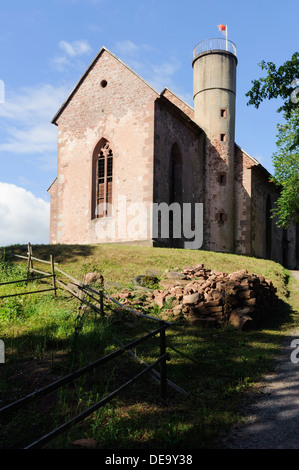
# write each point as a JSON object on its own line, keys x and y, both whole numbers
{"x": 104, "y": 83}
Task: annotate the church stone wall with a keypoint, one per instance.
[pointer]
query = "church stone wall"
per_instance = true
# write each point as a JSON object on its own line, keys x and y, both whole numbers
{"x": 123, "y": 113}
{"x": 261, "y": 190}
{"x": 171, "y": 129}
{"x": 242, "y": 202}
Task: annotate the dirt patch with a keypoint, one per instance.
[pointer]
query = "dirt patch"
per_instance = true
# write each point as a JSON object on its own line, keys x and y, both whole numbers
{"x": 272, "y": 409}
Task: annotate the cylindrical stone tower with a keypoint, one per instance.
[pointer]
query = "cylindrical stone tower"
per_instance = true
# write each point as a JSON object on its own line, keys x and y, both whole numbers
{"x": 214, "y": 90}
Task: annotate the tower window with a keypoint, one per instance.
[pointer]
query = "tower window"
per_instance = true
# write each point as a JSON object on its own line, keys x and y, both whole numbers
{"x": 104, "y": 83}
{"x": 222, "y": 137}
{"x": 223, "y": 112}
{"x": 222, "y": 179}
{"x": 221, "y": 217}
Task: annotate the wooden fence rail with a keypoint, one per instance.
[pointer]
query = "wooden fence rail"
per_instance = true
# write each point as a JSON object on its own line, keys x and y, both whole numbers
{"x": 30, "y": 270}
{"x": 25, "y": 280}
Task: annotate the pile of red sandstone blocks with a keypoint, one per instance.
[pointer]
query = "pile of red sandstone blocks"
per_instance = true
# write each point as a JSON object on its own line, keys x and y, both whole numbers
{"x": 208, "y": 297}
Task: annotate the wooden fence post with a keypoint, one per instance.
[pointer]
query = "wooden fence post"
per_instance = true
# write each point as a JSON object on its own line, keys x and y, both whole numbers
{"x": 102, "y": 297}
{"x": 53, "y": 274}
{"x": 29, "y": 264}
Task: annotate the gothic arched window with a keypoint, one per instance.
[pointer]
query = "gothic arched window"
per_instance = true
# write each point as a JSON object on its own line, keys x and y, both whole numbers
{"x": 102, "y": 180}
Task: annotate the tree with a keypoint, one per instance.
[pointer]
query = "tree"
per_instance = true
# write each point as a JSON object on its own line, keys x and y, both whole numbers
{"x": 286, "y": 172}
{"x": 283, "y": 82}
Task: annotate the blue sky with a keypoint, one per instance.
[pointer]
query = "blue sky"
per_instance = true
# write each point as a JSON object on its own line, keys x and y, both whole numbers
{"x": 45, "y": 46}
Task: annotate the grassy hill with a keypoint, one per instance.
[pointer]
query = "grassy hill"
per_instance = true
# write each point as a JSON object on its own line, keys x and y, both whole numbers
{"x": 46, "y": 337}
{"x": 120, "y": 263}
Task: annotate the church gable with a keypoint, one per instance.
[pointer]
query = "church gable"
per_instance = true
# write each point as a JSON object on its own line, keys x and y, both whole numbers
{"x": 107, "y": 88}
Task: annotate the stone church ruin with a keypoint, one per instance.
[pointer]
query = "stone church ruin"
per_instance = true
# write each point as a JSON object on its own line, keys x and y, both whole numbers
{"x": 123, "y": 146}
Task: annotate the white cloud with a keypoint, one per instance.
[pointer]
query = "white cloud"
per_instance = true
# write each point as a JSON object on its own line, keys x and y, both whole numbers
{"x": 23, "y": 217}
{"x": 126, "y": 47}
{"x": 158, "y": 75}
{"x": 25, "y": 122}
{"x": 35, "y": 140}
{"x": 60, "y": 63}
{"x": 71, "y": 51}
{"x": 162, "y": 75}
{"x": 75, "y": 48}
{"x": 32, "y": 104}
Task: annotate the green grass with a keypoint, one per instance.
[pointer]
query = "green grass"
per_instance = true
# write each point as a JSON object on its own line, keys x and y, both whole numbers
{"x": 47, "y": 337}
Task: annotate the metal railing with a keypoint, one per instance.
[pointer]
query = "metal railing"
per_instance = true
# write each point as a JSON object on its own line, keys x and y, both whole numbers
{"x": 214, "y": 44}
{"x": 21, "y": 403}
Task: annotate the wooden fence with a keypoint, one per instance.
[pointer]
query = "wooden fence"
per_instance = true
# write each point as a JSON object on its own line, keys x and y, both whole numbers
{"x": 30, "y": 269}
{"x": 79, "y": 290}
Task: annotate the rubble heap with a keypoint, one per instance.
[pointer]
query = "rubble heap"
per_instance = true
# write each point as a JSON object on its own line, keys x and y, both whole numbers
{"x": 203, "y": 296}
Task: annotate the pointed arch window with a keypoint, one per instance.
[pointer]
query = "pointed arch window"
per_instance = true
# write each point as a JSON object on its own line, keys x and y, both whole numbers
{"x": 102, "y": 180}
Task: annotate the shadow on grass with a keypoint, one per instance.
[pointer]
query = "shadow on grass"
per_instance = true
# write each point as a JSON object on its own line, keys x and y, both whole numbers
{"x": 215, "y": 366}
{"x": 61, "y": 253}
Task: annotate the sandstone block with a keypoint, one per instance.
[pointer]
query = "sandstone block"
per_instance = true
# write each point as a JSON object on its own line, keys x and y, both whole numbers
{"x": 216, "y": 294}
{"x": 247, "y": 294}
{"x": 250, "y": 302}
{"x": 240, "y": 321}
{"x": 215, "y": 309}
{"x": 175, "y": 275}
{"x": 178, "y": 290}
{"x": 160, "y": 299}
{"x": 177, "y": 310}
{"x": 191, "y": 299}
{"x": 91, "y": 278}
{"x": 212, "y": 303}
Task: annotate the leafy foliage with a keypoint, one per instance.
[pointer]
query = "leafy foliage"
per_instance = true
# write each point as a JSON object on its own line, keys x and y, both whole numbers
{"x": 286, "y": 165}
{"x": 278, "y": 83}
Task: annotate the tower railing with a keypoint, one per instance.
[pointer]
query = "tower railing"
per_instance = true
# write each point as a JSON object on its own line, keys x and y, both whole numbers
{"x": 213, "y": 44}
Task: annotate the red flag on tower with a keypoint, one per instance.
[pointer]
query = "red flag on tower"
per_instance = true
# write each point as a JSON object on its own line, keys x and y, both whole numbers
{"x": 222, "y": 28}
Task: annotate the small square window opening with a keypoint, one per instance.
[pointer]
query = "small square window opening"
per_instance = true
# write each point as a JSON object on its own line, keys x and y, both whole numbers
{"x": 222, "y": 179}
